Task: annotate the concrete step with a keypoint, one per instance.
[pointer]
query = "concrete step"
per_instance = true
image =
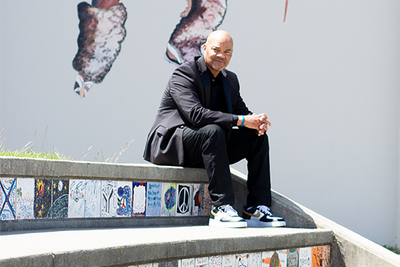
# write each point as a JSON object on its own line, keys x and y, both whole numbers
{"x": 135, "y": 246}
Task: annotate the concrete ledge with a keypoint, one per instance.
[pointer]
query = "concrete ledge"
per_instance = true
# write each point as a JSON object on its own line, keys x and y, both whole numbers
{"x": 25, "y": 167}
{"x": 90, "y": 223}
{"x": 349, "y": 248}
{"x": 135, "y": 246}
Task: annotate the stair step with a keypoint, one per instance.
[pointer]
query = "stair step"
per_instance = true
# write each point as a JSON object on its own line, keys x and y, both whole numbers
{"x": 134, "y": 246}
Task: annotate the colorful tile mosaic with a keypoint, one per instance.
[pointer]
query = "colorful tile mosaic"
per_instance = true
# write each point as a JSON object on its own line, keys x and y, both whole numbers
{"x": 25, "y": 195}
{"x": 241, "y": 260}
{"x": 124, "y": 199}
{"x": 109, "y": 199}
{"x": 76, "y": 199}
{"x": 93, "y": 199}
{"x": 59, "y": 199}
{"x": 254, "y": 259}
{"x": 168, "y": 199}
{"x": 279, "y": 258}
{"x": 184, "y": 192}
{"x": 153, "y": 205}
{"x": 305, "y": 257}
{"x": 215, "y": 261}
{"x": 139, "y": 198}
{"x": 43, "y": 200}
{"x": 228, "y": 261}
{"x": 8, "y": 198}
{"x": 38, "y": 198}
{"x": 187, "y": 262}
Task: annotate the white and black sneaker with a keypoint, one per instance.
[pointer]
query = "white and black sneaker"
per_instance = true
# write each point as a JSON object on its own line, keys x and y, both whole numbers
{"x": 226, "y": 216}
{"x": 261, "y": 216}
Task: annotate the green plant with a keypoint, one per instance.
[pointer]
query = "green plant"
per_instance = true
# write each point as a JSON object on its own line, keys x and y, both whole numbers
{"x": 394, "y": 249}
{"x": 28, "y": 152}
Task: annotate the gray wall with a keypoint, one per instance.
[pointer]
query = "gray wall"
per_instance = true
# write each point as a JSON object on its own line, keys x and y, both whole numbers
{"x": 328, "y": 78}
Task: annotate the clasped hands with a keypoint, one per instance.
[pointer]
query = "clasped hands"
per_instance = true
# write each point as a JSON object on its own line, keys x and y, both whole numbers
{"x": 258, "y": 122}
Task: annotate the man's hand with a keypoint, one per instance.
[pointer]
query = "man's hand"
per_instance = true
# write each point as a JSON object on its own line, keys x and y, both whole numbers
{"x": 258, "y": 122}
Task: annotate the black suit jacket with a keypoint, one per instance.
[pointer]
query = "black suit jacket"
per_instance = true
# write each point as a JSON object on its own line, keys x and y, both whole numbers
{"x": 186, "y": 102}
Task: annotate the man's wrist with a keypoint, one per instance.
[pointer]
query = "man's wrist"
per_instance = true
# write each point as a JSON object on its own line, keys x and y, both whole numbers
{"x": 235, "y": 119}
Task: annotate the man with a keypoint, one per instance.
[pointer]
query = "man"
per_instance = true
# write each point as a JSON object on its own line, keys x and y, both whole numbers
{"x": 193, "y": 128}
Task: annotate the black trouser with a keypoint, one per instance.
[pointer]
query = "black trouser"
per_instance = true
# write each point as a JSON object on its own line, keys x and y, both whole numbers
{"x": 209, "y": 148}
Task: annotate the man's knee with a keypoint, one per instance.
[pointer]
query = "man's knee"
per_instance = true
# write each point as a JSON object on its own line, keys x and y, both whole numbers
{"x": 215, "y": 132}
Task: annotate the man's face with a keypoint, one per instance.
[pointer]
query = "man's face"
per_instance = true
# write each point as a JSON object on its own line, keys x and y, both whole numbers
{"x": 218, "y": 53}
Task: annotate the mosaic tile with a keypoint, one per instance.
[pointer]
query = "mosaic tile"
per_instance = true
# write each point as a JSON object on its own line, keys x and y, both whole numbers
{"x": 215, "y": 261}
{"x": 198, "y": 199}
{"x": 183, "y": 207}
{"x": 109, "y": 199}
{"x": 254, "y": 259}
{"x": 42, "y": 202}
{"x": 293, "y": 257}
{"x": 153, "y": 205}
{"x": 7, "y": 198}
{"x": 173, "y": 263}
{"x": 139, "y": 191}
{"x": 241, "y": 260}
{"x": 168, "y": 199}
{"x": 187, "y": 262}
{"x": 59, "y": 202}
{"x": 207, "y": 201}
{"x": 228, "y": 261}
{"x": 144, "y": 265}
{"x": 305, "y": 257}
{"x": 124, "y": 199}
{"x": 76, "y": 198}
{"x": 25, "y": 196}
{"x": 320, "y": 256}
{"x": 202, "y": 262}
{"x": 93, "y": 199}
{"x": 274, "y": 258}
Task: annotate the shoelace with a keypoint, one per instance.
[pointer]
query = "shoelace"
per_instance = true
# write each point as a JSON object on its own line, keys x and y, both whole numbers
{"x": 265, "y": 210}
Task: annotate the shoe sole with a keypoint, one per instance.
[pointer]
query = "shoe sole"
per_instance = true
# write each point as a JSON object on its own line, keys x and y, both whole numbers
{"x": 217, "y": 223}
{"x": 257, "y": 223}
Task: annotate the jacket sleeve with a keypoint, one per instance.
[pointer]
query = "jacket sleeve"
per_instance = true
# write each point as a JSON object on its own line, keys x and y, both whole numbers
{"x": 183, "y": 88}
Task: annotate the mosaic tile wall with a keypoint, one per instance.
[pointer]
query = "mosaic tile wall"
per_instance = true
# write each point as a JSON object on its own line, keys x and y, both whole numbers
{"x": 298, "y": 257}
{"x": 32, "y": 198}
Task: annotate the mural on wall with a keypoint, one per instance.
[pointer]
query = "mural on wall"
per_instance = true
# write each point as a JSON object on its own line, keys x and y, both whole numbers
{"x": 102, "y": 30}
{"x": 200, "y": 18}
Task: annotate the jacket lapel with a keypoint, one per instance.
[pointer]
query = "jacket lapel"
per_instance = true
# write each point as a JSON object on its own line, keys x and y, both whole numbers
{"x": 201, "y": 64}
{"x": 227, "y": 91}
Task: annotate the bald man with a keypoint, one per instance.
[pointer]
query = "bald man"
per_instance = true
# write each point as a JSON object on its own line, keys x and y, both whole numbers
{"x": 203, "y": 122}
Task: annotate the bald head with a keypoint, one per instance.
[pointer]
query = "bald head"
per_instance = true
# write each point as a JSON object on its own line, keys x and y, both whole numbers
{"x": 219, "y": 35}
{"x": 218, "y": 51}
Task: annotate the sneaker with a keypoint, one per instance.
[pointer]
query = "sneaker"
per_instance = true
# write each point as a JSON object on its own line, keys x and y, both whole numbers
{"x": 261, "y": 216}
{"x": 226, "y": 216}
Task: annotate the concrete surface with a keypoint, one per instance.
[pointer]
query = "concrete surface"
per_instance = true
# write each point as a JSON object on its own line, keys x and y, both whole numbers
{"x": 103, "y": 247}
{"x": 19, "y": 249}
{"x": 349, "y": 248}
{"x": 25, "y": 167}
